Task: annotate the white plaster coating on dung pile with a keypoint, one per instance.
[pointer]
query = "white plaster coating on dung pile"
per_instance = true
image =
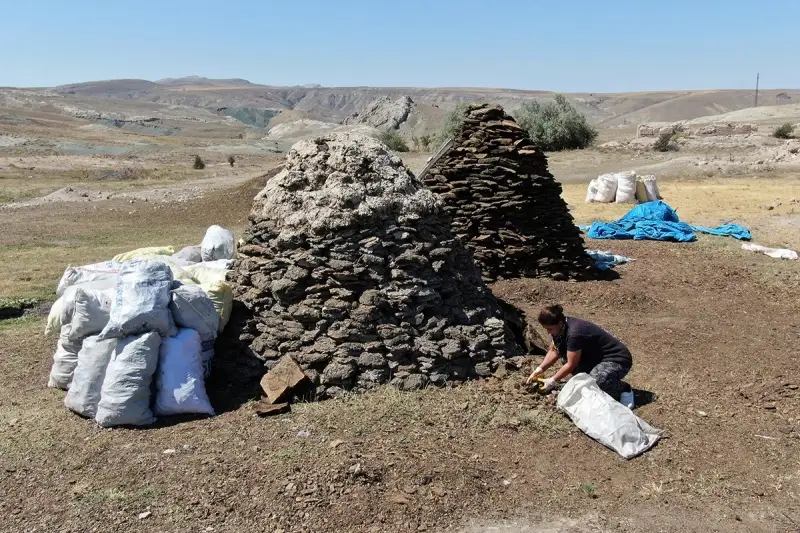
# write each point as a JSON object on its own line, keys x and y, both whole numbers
{"x": 340, "y": 180}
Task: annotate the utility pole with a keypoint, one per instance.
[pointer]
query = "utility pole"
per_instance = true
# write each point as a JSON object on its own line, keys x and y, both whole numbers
{"x": 757, "y": 75}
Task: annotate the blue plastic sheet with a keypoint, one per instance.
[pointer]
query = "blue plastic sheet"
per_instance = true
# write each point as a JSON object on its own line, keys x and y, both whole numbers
{"x": 659, "y": 222}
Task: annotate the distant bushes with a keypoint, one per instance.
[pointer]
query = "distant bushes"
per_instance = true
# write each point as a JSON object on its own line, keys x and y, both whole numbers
{"x": 784, "y": 131}
{"x": 422, "y": 142}
{"x": 393, "y": 140}
{"x": 198, "y": 163}
{"x": 666, "y": 142}
{"x": 556, "y": 126}
{"x": 452, "y": 121}
{"x": 231, "y": 160}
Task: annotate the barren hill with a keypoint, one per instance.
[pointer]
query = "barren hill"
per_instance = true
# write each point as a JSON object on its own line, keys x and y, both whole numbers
{"x": 337, "y": 103}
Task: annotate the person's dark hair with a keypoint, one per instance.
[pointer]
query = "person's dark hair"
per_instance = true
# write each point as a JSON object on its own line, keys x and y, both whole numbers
{"x": 550, "y": 315}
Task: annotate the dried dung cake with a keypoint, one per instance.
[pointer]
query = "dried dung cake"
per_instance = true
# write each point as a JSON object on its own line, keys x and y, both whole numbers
{"x": 504, "y": 203}
{"x": 348, "y": 267}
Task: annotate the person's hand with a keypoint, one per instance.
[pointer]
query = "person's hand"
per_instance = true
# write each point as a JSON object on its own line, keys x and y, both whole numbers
{"x": 548, "y": 385}
{"x": 536, "y": 373}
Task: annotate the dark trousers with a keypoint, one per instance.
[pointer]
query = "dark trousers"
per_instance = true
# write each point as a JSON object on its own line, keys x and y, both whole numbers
{"x": 609, "y": 376}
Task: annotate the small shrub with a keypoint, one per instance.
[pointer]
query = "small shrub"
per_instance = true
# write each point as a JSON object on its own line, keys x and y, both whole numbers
{"x": 556, "y": 126}
{"x": 665, "y": 143}
{"x": 426, "y": 141}
{"x": 784, "y": 131}
{"x": 231, "y": 160}
{"x": 589, "y": 489}
{"x": 393, "y": 140}
{"x": 198, "y": 163}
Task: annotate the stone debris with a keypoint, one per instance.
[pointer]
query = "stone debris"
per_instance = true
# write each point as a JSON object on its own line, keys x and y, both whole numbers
{"x": 504, "y": 203}
{"x": 348, "y": 268}
{"x": 282, "y": 380}
{"x": 263, "y": 408}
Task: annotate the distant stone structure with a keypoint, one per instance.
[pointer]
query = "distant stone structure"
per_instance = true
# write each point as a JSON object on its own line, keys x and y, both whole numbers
{"x": 660, "y": 128}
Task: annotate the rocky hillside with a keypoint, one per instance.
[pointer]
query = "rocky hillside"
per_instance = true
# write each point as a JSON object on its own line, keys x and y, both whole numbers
{"x": 337, "y": 104}
{"x": 196, "y": 106}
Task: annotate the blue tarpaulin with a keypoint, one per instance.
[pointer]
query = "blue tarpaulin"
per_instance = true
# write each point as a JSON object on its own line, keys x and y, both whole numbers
{"x": 659, "y": 222}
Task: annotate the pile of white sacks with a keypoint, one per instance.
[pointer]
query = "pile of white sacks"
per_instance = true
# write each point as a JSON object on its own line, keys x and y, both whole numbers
{"x": 623, "y": 188}
{"x": 137, "y": 333}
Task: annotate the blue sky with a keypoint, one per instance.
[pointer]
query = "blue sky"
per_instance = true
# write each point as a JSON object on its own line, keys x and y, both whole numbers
{"x": 563, "y": 45}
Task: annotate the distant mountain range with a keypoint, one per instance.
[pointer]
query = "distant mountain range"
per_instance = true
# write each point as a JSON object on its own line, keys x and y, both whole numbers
{"x": 338, "y": 103}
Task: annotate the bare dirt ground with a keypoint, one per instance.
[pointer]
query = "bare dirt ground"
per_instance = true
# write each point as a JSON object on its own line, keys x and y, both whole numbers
{"x": 711, "y": 328}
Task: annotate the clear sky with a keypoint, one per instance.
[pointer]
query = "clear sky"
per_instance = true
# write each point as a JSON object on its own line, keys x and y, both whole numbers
{"x": 563, "y": 45}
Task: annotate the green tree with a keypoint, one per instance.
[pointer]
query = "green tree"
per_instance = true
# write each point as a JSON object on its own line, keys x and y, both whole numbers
{"x": 556, "y": 125}
{"x": 198, "y": 163}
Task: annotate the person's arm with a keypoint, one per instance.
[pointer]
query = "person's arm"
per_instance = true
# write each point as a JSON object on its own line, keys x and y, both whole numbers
{"x": 549, "y": 359}
{"x": 573, "y": 359}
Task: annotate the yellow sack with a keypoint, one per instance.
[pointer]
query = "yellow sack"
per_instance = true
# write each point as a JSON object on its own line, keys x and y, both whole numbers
{"x": 221, "y": 293}
{"x": 144, "y": 252}
{"x": 206, "y": 275}
{"x": 641, "y": 192}
{"x": 54, "y": 317}
{"x": 182, "y": 275}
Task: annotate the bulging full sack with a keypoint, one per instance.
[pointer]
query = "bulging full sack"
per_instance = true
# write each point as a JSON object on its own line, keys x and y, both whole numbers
{"x": 107, "y": 270}
{"x": 218, "y": 243}
{"x": 180, "y": 388}
{"x": 190, "y": 254}
{"x": 91, "y": 313}
{"x": 591, "y": 191}
{"x": 141, "y": 300}
{"x": 140, "y": 253}
{"x": 64, "y": 360}
{"x": 626, "y": 187}
{"x": 606, "y": 188}
{"x": 604, "y": 419}
{"x": 87, "y": 380}
{"x": 127, "y": 385}
{"x": 651, "y": 188}
{"x": 221, "y": 293}
{"x": 192, "y": 308}
{"x": 64, "y": 307}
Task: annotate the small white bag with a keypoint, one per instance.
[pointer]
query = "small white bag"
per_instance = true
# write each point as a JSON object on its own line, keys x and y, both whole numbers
{"x": 218, "y": 243}
{"x": 180, "y": 388}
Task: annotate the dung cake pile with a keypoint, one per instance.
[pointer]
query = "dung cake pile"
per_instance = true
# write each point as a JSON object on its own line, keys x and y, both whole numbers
{"x": 348, "y": 268}
{"x": 504, "y": 203}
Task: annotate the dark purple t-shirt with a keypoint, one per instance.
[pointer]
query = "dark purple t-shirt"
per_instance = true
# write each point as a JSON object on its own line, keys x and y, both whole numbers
{"x": 596, "y": 345}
